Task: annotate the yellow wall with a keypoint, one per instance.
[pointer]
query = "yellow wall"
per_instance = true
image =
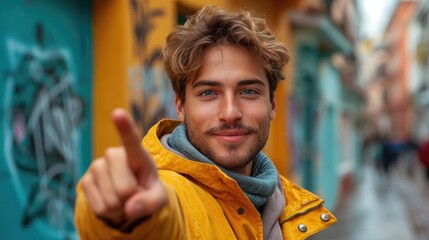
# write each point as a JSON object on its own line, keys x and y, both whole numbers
{"x": 119, "y": 57}
{"x": 111, "y": 55}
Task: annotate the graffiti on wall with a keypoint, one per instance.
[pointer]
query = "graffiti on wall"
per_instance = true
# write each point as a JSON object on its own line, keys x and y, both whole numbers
{"x": 152, "y": 97}
{"x": 42, "y": 119}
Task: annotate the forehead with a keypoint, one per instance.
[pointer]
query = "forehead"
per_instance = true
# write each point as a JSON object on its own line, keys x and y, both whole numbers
{"x": 229, "y": 62}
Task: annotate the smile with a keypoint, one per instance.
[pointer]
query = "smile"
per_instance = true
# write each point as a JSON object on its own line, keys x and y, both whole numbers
{"x": 231, "y": 136}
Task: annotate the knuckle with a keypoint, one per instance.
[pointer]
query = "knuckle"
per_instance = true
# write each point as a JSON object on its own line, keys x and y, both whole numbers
{"x": 113, "y": 204}
{"x": 108, "y": 209}
{"x": 110, "y": 152}
{"x": 101, "y": 210}
{"x": 98, "y": 165}
{"x": 87, "y": 181}
{"x": 114, "y": 154}
{"x": 125, "y": 192}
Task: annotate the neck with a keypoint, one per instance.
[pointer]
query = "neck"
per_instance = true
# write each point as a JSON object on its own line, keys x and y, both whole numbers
{"x": 246, "y": 170}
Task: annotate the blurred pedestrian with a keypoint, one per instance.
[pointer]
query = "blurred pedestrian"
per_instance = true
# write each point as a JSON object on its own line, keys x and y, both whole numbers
{"x": 387, "y": 155}
{"x": 423, "y": 153}
{"x": 204, "y": 177}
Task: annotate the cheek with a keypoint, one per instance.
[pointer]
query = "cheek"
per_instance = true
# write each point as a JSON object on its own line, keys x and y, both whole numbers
{"x": 199, "y": 115}
{"x": 200, "y": 108}
{"x": 259, "y": 116}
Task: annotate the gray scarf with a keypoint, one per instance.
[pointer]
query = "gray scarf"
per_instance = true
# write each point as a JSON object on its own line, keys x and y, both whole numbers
{"x": 258, "y": 187}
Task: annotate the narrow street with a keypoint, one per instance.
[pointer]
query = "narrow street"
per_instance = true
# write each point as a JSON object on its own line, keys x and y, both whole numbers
{"x": 384, "y": 207}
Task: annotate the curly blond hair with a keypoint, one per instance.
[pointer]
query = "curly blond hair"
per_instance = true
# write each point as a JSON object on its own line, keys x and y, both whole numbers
{"x": 211, "y": 26}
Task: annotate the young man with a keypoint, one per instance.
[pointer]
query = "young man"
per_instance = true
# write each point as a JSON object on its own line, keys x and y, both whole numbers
{"x": 203, "y": 177}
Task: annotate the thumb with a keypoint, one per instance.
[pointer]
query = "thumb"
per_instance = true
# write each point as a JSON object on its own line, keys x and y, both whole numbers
{"x": 138, "y": 158}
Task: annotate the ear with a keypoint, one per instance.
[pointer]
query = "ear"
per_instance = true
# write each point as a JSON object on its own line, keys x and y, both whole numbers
{"x": 273, "y": 109}
{"x": 180, "y": 112}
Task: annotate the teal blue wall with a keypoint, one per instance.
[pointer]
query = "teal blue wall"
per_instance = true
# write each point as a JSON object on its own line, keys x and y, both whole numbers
{"x": 318, "y": 109}
{"x": 328, "y": 134}
{"x": 305, "y": 100}
{"x": 45, "y": 125}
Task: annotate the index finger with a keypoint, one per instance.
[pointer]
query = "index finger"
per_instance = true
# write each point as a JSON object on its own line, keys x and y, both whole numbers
{"x": 130, "y": 137}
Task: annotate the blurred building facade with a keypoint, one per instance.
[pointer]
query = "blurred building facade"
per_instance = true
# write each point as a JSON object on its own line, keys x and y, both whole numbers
{"x": 82, "y": 59}
{"x": 396, "y": 80}
{"x": 387, "y": 72}
{"x": 419, "y": 74}
{"x": 326, "y": 102}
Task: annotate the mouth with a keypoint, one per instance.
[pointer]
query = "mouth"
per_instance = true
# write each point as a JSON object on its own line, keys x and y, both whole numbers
{"x": 231, "y": 136}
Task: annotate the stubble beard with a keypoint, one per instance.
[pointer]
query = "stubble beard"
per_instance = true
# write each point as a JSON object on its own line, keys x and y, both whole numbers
{"x": 231, "y": 159}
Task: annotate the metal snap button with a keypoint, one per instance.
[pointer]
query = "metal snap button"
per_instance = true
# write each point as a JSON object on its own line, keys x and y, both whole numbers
{"x": 302, "y": 228}
{"x": 240, "y": 211}
{"x": 325, "y": 217}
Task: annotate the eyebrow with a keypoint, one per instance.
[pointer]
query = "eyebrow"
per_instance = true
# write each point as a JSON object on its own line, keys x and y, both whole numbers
{"x": 207, "y": 83}
{"x": 218, "y": 84}
{"x": 251, "y": 81}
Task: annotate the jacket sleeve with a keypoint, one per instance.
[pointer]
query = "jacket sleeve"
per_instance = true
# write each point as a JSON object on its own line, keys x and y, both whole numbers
{"x": 168, "y": 223}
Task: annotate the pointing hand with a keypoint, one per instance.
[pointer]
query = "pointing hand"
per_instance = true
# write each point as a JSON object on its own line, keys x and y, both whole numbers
{"x": 123, "y": 185}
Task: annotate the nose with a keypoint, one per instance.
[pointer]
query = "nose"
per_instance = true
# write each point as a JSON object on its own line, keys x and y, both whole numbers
{"x": 229, "y": 109}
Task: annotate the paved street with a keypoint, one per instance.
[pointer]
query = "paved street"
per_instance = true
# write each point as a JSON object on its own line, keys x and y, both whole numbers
{"x": 384, "y": 207}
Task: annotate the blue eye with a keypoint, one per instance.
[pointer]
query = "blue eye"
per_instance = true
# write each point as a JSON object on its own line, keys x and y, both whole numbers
{"x": 248, "y": 91}
{"x": 207, "y": 93}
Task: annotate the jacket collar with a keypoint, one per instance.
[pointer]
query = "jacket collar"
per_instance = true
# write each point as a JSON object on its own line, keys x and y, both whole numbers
{"x": 297, "y": 197}
{"x": 298, "y": 200}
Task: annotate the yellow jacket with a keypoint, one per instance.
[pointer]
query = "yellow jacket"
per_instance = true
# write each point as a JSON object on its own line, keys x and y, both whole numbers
{"x": 204, "y": 203}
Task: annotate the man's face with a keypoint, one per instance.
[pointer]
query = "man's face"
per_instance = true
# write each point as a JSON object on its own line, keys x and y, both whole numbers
{"x": 227, "y": 109}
